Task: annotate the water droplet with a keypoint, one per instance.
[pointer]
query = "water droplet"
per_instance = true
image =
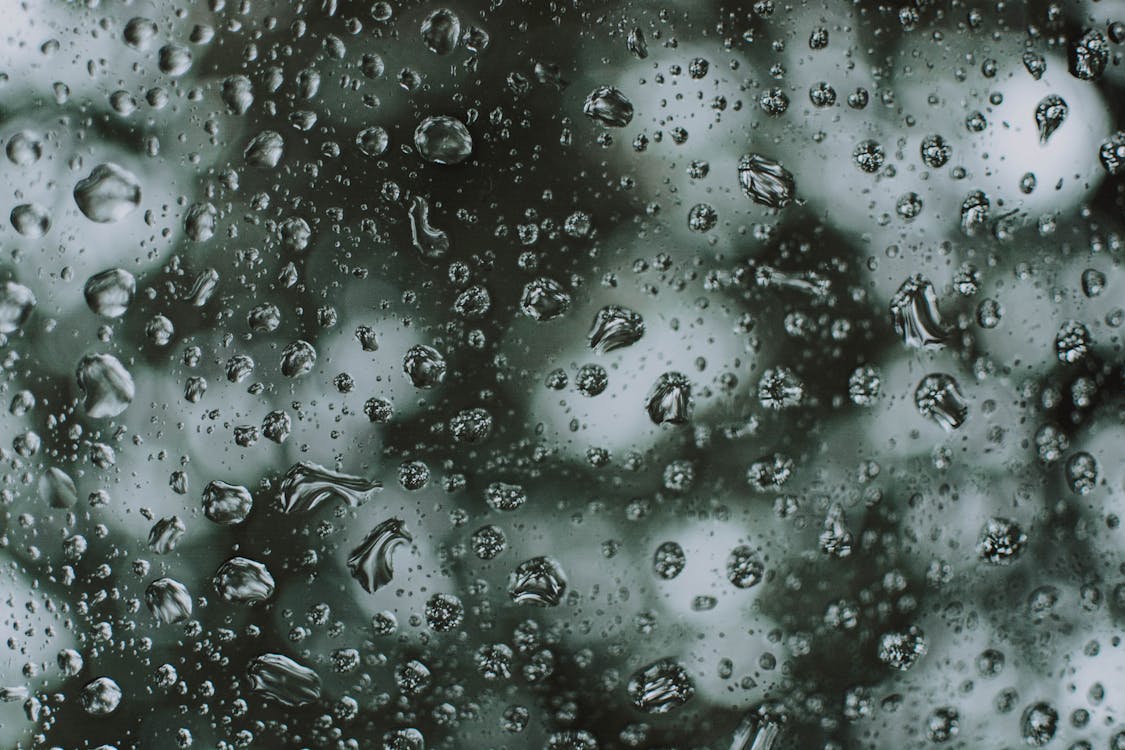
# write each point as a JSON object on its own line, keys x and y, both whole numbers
{"x": 915, "y": 315}
{"x": 1072, "y": 342}
{"x": 373, "y": 141}
{"x": 265, "y": 149}
{"x": 297, "y": 359}
{"x": 1081, "y": 473}
{"x": 1089, "y": 55}
{"x": 24, "y": 148}
{"x": 307, "y": 485}
{"x": 281, "y": 679}
{"x": 544, "y": 299}
{"x": 139, "y": 33}
{"x": 935, "y": 151}
{"x": 108, "y": 194}
{"x": 1050, "y": 114}
{"x": 938, "y": 397}
{"x": 864, "y": 385}
{"x": 779, "y": 388}
{"x": 168, "y": 600}
{"x": 1112, "y": 153}
{"x": 745, "y": 568}
{"x": 165, "y": 534}
{"x": 608, "y": 106}
{"x": 615, "y": 327}
{"x": 660, "y": 687}
{"x": 443, "y": 140}
{"x": 974, "y": 212}
{"x": 900, "y": 650}
{"x": 441, "y": 31}
{"x": 432, "y": 243}
{"x": 425, "y": 366}
{"x": 444, "y": 613}
{"x": 1039, "y": 723}
{"x": 372, "y": 561}
{"x": 110, "y": 292}
{"x": 243, "y": 580}
{"x": 31, "y": 220}
{"x": 539, "y": 581}
{"x": 636, "y": 44}
{"x": 106, "y": 385}
{"x": 226, "y": 504}
{"x": 670, "y": 399}
{"x": 16, "y": 305}
{"x": 869, "y": 156}
{"x": 100, "y": 696}
{"x": 765, "y": 181}
{"x": 669, "y": 560}
{"x": 1001, "y": 541}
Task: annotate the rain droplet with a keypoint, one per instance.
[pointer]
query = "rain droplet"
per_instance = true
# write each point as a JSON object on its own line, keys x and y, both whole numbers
{"x": 443, "y": 140}
{"x": 31, "y": 220}
{"x": 670, "y": 399}
{"x": 226, "y": 504}
{"x": 243, "y": 580}
{"x": 1089, "y": 55}
{"x": 539, "y": 581}
{"x": 615, "y": 327}
{"x": 432, "y": 243}
{"x": 106, "y": 385}
{"x": 265, "y": 149}
{"x": 109, "y": 194}
{"x": 100, "y": 697}
{"x": 425, "y": 366}
{"x": 307, "y": 485}
{"x": 938, "y": 397}
{"x": 660, "y": 687}
{"x": 441, "y": 31}
{"x": 765, "y": 181}
{"x": 168, "y": 600}
{"x": 1050, "y": 114}
{"x": 609, "y": 106}
{"x": 16, "y": 305}
{"x": 281, "y": 679}
{"x": 372, "y": 561}
{"x": 110, "y": 292}
{"x": 297, "y": 359}
{"x": 915, "y": 315}
{"x": 544, "y": 299}
{"x": 1001, "y": 541}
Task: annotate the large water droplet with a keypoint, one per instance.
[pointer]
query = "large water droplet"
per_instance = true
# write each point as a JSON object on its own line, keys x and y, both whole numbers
{"x": 660, "y": 687}
{"x": 544, "y": 299}
{"x": 16, "y": 304}
{"x": 1050, "y": 114}
{"x": 168, "y": 600}
{"x": 609, "y": 106}
{"x": 226, "y": 504}
{"x": 441, "y": 31}
{"x": 243, "y": 580}
{"x": 372, "y": 561}
{"x": 670, "y": 399}
{"x": 265, "y": 149}
{"x": 281, "y": 679}
{"x": 443, "y": 140}
{"x": 765, "y": 181}
{"x": 915, "y": 315}
{"x": 307, "y": 485}
{"x": 106, "y": 385}
{"x": 109, "y": 194}
{"x": 615, "y": 327}
{"x": 110, "y": 292}
{"x": 539, "y": 581}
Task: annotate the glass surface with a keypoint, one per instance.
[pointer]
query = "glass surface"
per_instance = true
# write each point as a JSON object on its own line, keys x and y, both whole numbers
{"x": 562, "y": 374}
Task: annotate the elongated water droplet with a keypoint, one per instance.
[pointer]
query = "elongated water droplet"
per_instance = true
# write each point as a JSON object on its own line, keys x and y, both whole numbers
{"x": 16, "y": 304}
{"x": 372, "y": 561}
{"x": 432, "y": 243}
{"x": 915, "y": 315}
{"x": 307, "y": 485}
{"x": 1050, "y": 114}
{"x": 938, "y": 397}
{"x": 243, "y": 580}
{"x": 670, "y": 399}
{"x": 765, "y": 181}
{"x": 608, "y": 106}
{"x": 281, "y": 679}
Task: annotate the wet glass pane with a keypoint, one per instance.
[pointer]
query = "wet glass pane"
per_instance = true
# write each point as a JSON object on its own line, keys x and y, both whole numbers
{"x": 562, "y": 374}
